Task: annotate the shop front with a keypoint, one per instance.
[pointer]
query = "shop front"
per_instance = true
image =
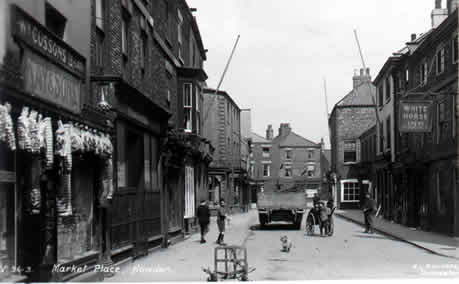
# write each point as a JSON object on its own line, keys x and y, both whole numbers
{"x": 56, "y": 160}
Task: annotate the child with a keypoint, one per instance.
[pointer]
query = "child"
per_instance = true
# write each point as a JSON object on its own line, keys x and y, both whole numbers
{"x": 204, "y": 218}
{"x": 324, "y": 219}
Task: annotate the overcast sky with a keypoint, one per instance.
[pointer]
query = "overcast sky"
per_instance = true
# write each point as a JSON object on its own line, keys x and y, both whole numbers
{"x": 288, "y": 47}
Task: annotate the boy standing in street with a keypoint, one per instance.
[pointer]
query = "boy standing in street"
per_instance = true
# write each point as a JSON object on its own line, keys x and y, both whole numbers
{"x": 221, "y": 216}
{"x": 204, "y": 219}
{"x": 324, "y": 219}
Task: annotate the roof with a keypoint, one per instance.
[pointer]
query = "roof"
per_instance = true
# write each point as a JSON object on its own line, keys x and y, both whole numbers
{"x": 258, "y": 138}
{"x": 294, "y": 140}
{"x": 361, "y": 95}
{"x": 222, "y": 93}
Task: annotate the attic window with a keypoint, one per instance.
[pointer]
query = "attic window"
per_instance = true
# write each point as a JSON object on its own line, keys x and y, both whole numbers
{"x": 55, "y": 22}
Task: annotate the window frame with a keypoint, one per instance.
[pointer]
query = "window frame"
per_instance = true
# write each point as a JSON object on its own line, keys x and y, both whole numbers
{"x": 125, "y": 33}
{"x": 188, "y": 108}
{"x": 344, "y": 152}
{"x": 423, "y": 73}
{"x": 354, "y": 193}
{"x": 99, "y": 9}
{"x": 268, "y": 167}
{"x": 388, "y": 133}
{"x": 440, "y": 56}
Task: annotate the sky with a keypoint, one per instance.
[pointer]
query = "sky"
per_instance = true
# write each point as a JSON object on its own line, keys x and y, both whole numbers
{"x": 287, "y": 48}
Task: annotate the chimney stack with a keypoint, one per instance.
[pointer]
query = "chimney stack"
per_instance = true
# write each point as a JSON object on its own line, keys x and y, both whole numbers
{"x": 363, "y": 77}
{"x": 284, "y": 129}
{"x": 439, "y": 14}
{"x": 269, "y": 132}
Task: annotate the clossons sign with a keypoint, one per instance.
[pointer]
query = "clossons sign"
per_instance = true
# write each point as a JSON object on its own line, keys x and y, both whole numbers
{"x": 415, "y": 116}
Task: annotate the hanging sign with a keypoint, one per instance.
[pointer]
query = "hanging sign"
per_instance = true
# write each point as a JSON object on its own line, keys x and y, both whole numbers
{"x": 415, "y": 116}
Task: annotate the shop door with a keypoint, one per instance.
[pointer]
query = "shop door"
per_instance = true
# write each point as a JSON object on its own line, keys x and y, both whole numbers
{"x": 129, "y": 201}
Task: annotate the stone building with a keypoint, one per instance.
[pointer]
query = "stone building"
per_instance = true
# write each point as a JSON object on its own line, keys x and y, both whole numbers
{"x": 222, "y": 127}
{"x": 350, "y": 117}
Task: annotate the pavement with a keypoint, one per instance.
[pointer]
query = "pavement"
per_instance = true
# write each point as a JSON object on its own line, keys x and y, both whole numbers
{"x": 433, "y": 242}
{"x": 183, "y": 261}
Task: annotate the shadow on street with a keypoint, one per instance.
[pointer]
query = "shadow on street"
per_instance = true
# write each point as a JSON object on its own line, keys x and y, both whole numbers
{"x": 274, "y": 227}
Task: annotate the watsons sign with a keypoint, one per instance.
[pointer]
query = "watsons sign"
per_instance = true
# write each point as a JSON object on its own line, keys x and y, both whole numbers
{"x": 37, "y": 37}
{"x": 415, "y": 116}
{"x": 50, "y": 83}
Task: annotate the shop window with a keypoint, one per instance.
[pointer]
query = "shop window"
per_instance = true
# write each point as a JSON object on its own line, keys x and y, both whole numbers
{"x": 454, "y": 49}
{"x": 350, "y": 191}
{"x": 55, "y": 22}
{"x": 189, "y": 192}
{"x": 265, "y": 152}
{"x": 440, "y": 60}
{"x": 266, "y": 170}
{"x": 350, "y": 152}
{"x": 188, "y": 107}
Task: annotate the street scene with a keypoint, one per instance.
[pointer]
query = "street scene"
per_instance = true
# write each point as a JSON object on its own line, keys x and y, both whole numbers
{"x": 230, "y": 140}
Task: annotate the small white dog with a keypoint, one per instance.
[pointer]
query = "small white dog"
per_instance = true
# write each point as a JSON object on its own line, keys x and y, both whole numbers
{"x": 286, "y": 244}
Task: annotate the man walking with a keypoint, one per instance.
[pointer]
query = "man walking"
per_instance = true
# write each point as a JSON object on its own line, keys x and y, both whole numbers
{"x": 221, "y": 216}
{"x": 369, "y": 211}
{"x": 204, "y": 219}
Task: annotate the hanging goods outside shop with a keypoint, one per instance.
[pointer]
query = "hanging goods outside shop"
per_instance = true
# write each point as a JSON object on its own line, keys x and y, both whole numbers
{"x": 6, "y": 126}
{"x": 35, "y": 134}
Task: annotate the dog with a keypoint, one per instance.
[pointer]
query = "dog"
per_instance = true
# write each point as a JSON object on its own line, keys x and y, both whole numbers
{"x": 286, "y": 244}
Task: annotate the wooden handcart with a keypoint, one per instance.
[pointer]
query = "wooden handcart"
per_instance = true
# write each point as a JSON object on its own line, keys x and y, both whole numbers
{"x": 230, "y": 262}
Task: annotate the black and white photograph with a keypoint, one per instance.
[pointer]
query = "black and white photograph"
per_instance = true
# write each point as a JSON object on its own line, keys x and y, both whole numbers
{"x": 229, "y": 140}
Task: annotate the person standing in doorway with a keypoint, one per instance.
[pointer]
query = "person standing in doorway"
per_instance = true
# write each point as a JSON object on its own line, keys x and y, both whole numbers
{"x": 204, "y": 219}
{"x": 369, "y": 211}
{"x": 221, "y": 216}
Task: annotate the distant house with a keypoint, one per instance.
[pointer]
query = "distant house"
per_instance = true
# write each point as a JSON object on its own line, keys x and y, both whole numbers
{"x": 350, "y": 117}
{"x": 286, "y": 160}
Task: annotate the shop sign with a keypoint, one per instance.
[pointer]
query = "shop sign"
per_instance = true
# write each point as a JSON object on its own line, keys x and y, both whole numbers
{"x": 45, "y": 80}
{"x": 311, "y": 192}
{"x": 27, "y": 30}
{"x": 415, "y": 116}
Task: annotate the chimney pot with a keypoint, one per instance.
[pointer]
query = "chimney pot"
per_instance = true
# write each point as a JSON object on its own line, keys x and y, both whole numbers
{"x": 437, "y": 4}
{"x": 413, "y": 37}
{"x": 361, "y": 71}
{"x": 368, "y": 71}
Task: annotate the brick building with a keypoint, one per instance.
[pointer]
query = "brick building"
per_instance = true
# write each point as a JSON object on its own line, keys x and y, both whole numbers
{"x": 222, "y": 127}
{"x": 350, "y": 117}
{"x": 287, "y": 160}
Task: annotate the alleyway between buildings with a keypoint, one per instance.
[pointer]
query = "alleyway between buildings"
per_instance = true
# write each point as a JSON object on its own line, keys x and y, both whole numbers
{"x": 349, "y": 254}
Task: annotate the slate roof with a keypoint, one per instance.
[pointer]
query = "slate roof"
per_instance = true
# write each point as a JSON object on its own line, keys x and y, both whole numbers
{"x": 258, "y": 138}
{"x": 295, "y": 140}
{"x": 361, "y": 95}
